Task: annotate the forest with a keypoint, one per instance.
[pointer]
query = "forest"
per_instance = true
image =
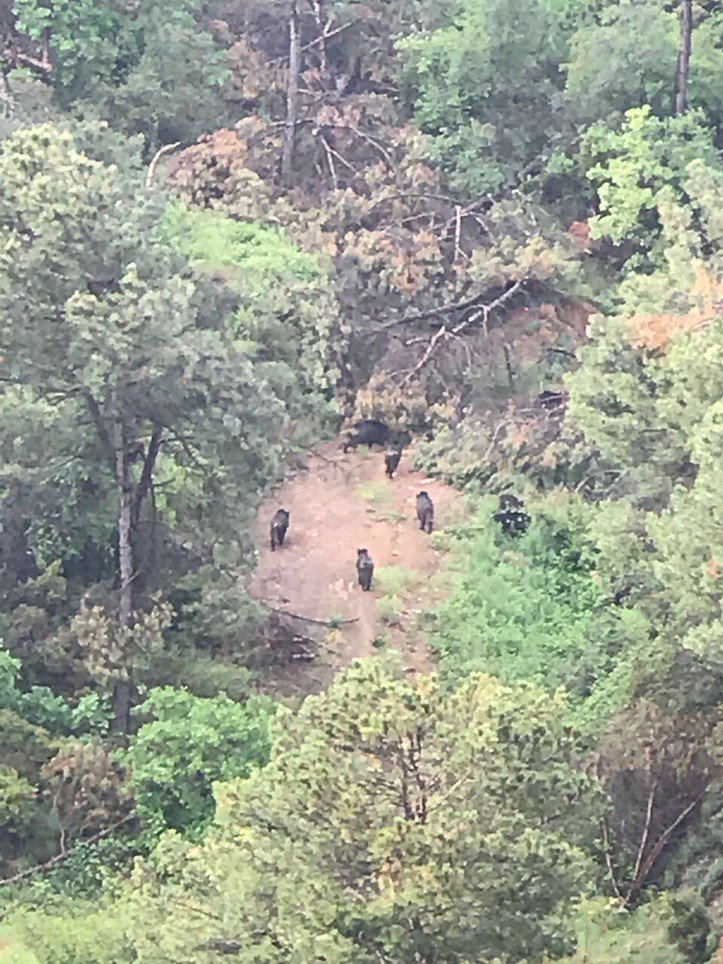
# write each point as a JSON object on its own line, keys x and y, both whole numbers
{"x": 230, "y": 230}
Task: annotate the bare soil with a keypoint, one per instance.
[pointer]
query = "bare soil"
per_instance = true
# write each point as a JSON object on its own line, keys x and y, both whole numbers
{"x": 340, "y": 503}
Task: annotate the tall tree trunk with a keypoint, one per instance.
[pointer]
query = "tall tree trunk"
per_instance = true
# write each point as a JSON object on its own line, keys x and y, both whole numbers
{"x": 146, "y": 479}
{"x": 124, "y": 486}
{"x": 292, "y": 97}
{"x": 6, "y": 94}
{"x": 321, "y": 26}
{"x": 683, "y": 68}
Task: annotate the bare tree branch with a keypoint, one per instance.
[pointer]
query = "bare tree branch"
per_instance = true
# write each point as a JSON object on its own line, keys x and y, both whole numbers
{"x": 330, "y": 151}
{"x": 369, "y": 139}
{"x": 661, "y": 843}
{"x": 425, "y": 195}
{"x": 485, "y": 310}
{"x": 445, "y": 332}
{"x": 446, "y": 309}
{"x": 608, "y": 859}
{"x": 308, "y": 619}
{"x": 433, "y": 342}
{"x": 330, "y": 161}
{"x": 44, "y": 65}
{"x": 161, "y": 152}
{"x": 646, "y": 831}
{"x": 59, "y": 858}
{"x": 325, "y": 35}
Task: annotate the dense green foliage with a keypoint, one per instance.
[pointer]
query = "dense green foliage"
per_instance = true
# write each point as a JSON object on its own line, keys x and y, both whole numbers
{"x": 145, "y": 63}
{"x": 484, "y": 83}
{"x": 497, "y": 225}
{"x": 529, "y": 609}
{"x": 189, "y": 743}
{"x": 426, "y": 839}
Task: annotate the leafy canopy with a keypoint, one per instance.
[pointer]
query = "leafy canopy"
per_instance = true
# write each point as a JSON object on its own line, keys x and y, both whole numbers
{"x": 149, "y": 68}
{"x": 391, "y": 820}
{"x": 634, "y": 167}
{"x": 485, "y": 85}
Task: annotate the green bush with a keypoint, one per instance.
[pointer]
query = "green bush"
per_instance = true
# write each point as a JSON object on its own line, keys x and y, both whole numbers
{"x": 529, "y": 608}
{"x": 189, "y": 743}
{"x": 393, "y": 580}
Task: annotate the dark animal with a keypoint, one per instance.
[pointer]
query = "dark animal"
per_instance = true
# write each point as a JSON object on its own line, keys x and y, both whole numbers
{"x": 511, "y": 515}
{"x": 552, "y": 401}
{"x": 425, "y": 512}
{"x": 364, "y": 568}
{"x": 279, "y": 525}
{"x": 367, "y": 432}
{"x": 391, "y": 459}
{"x": 622, "y": 594}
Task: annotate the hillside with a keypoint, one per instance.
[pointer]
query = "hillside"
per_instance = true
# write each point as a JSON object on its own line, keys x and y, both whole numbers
{"x": 229, "y": 229}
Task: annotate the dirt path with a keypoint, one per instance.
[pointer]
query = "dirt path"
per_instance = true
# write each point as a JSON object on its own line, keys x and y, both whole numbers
{"x": 339, "y": 504}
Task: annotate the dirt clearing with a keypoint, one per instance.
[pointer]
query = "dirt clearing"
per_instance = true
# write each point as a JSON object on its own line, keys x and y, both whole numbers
{"x": 338, "y": 504}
